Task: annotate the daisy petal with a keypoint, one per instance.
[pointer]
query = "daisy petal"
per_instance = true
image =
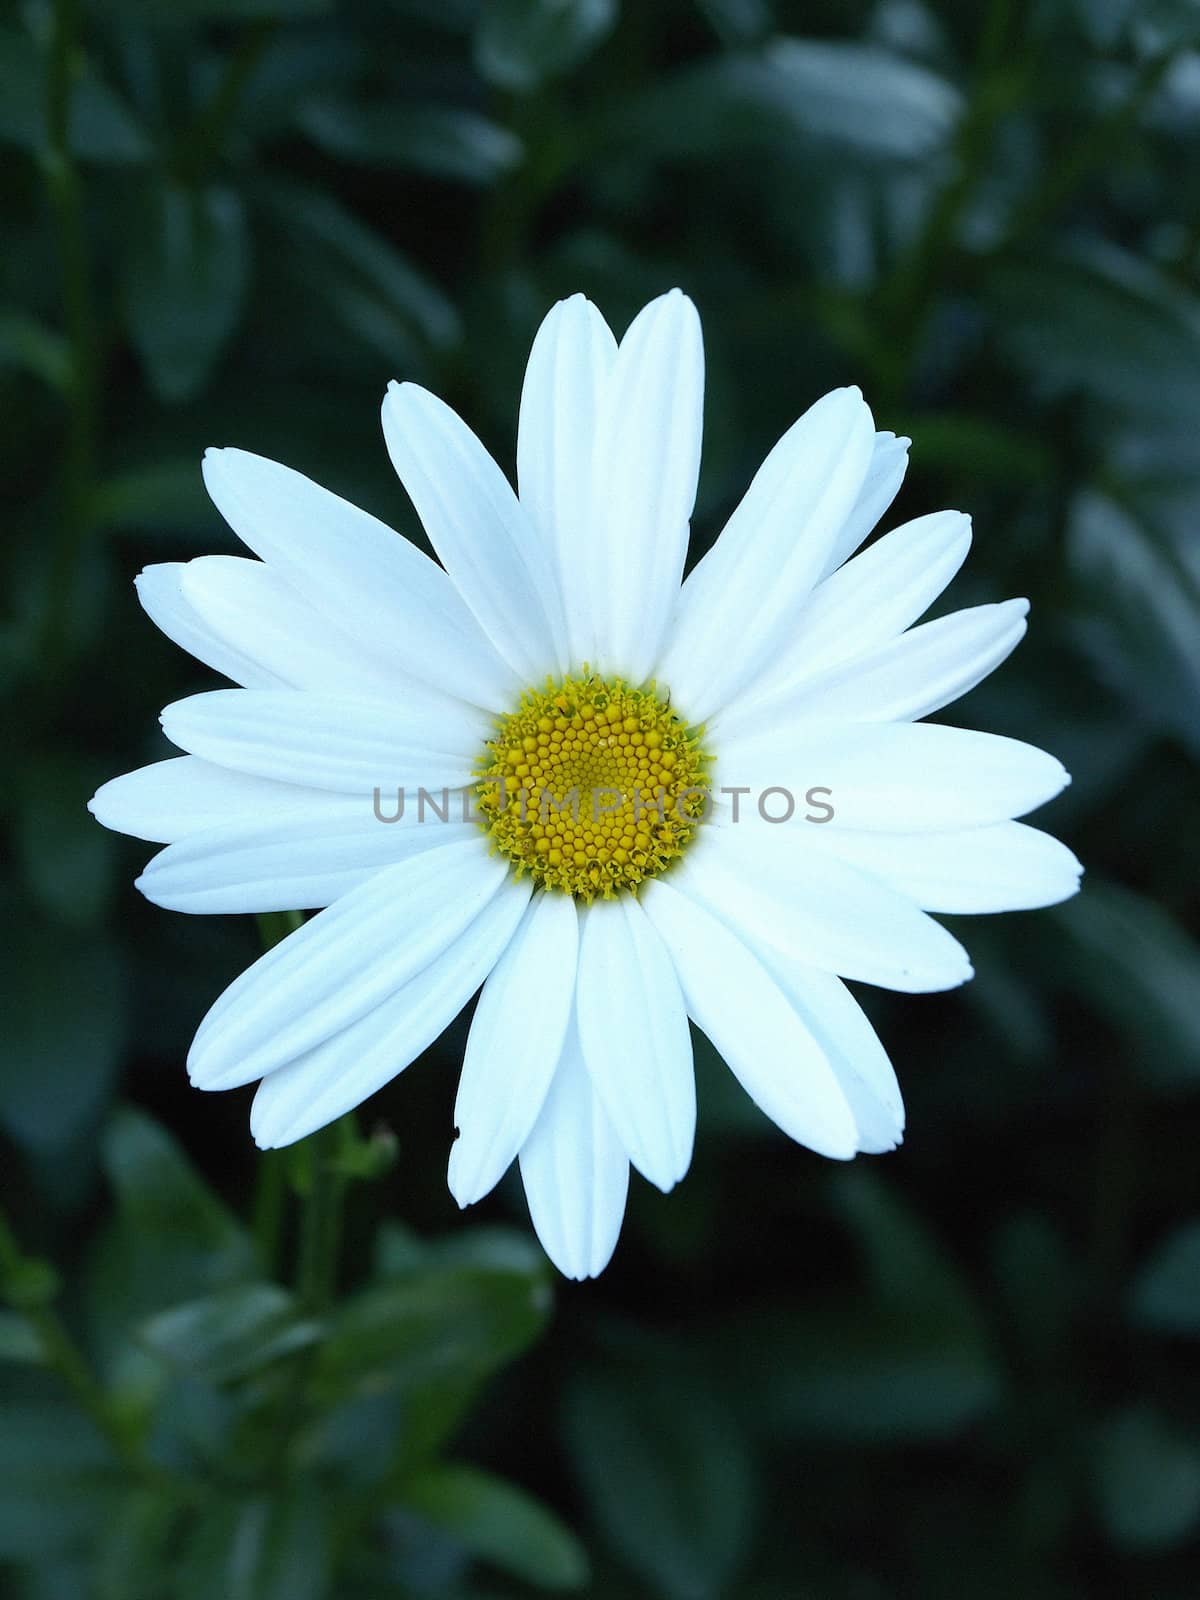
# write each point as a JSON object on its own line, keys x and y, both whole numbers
{"x": 339, "y": 1074}
{"x": 276, "y": 865}
{"x": 1005, "y": 867}
{"x": 248, "y": 604}
{"x": 351, "y": 567}
{"x": 920, "y": 672}
{"x": 741, "y": 603}
{"x": 169, "y": 800}
{"x": 339, "y": 742}
{"x": 733, "y": 999}
{"x": 889, "y": 463}
{"x": 159, "y": 588}
{"x": 516, "y": 1038}
{"x": 866, "y": 603}
{"x": 343, "y": 963}
{"x": 785, "y": 892}
{"x": 646, "y": 469}
{"x": 482, "y": 535}
{"x": 906, "y": 777}
{"x": 836, "y": 1020}
{"x": 634, "y": 1035}
{"x": 575, "y": 1171}
{"x": 561, "y": 402}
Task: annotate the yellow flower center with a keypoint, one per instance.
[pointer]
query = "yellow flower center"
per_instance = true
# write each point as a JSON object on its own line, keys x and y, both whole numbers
{"x": 592, "y": 786}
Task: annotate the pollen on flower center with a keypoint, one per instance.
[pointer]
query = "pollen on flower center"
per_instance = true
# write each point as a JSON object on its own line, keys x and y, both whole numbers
{"x": 592, "y": 786}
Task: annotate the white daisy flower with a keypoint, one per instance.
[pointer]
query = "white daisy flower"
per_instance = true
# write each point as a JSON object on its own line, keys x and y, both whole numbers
{"x": 556, "y": 650}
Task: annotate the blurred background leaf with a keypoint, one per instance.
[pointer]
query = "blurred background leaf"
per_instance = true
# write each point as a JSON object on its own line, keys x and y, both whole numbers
{"x": 968, "y": 1369}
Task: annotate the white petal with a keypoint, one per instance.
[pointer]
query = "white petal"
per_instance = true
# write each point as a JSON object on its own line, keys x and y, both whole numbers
{"x": 866, "y": 603}
{"x": 343, "y": 963}
{"x": 159, "y": 589}
{"x": 353, "y": 568}
{"x": 889, "y": 462}
{"x": 295, "y": 864}
{"x": 909, "y": 677}
{"x": 904, "y": 777}
{"x": 170, "y": 799}
{"x": 561, "y": 402}
{"x": 740, "y": 607}
{"x": 647, "y": 466}
{"x": 733, "y": 999}
{"x": 334, "y": 1077}
{"x": 249, "y": 605}
{"x": 634, "y": 1035}
{"x": 779, "y": 889}
{"x": 516, "y": 1038}
{"x": 338, "y": 742}
{"x": 859, "y": 1061}
{"x": 479, "y": 530}
{"x": 741, "y": 603}
{"x": 1005, "y": 867}
{"x": 575, "y": 1171}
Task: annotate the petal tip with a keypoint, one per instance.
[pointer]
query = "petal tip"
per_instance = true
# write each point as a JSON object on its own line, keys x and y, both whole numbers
{"x": 261, "y": 1139}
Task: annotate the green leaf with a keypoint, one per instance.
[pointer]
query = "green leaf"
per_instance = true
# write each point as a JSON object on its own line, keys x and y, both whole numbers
{"x": 357, "y": 276}
{"x": 159, "y": 497}
{"x": 855, "y": 99}
{"x": 459, "y": 1322}
{"x": 443, "y": 141}
{"x": 1147, "y": 1477}
{"x": 231, "y": 1333}
{"x": 173, "y": 1237}
{"x": 186, "y": 13}
{"x": 26, "y": 345}
{"x": 908, "y": 1358}
{"x": 58, "y": 1479}
{"x": 1041, "y": 1282}
{"x": 18, "y": 1340}
{"x": 255, "y": 1548}
{"x": 1047, "y": 310}
{"x": 849, "y": 1373}
{"x": 1166, "y": 1292}
{"x": 101, "y": 128}
{"x": 158, "y": 1189}
{"x": 1103, "y": 21}
{"x": 500, "y": 1524}
{"x": 667, "y": 1474}
{"x": 64, "y": 1003}
{"x": 69, "y": 863}
{"x": 185, "y": 280}
{"x": 989, "y": 450}
{"x": 29, "y": 1283}
{"x": 1139, "y": 968}
{"x": 136, "y": 1549}
{"x": 435, "y": 1334}
{"x": 520, "y": 44}
{"x": 1165, "y": 24}
{"x": 1138, "y": 615}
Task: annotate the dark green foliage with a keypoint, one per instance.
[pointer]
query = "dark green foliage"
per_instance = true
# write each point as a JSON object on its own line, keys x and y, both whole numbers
{"x": 963, "y": 1370}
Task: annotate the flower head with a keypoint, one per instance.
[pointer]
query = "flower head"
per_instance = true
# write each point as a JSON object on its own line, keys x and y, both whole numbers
{"x": 549, "y": 766}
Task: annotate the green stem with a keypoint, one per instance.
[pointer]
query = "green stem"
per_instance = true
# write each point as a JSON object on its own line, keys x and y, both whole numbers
{"x": 201, "y": 144}
{"x": 269, "y": 1197}
{"x": 271, "y": 1188}
{"x": 321, "y": 1224}
{"x": 1091, "y": 149}
{"x": 59, "y": 1350}
{"x": 66, "y": 206}
{"x": 910, "y": 293}
{"x": 321, "y": 1212}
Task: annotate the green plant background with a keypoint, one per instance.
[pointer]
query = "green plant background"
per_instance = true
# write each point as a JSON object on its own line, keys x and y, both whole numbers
{"x": 964, "y": 1370}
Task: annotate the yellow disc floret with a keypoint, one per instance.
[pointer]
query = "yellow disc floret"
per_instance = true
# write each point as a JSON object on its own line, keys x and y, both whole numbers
{"x": 592, "y": 786}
